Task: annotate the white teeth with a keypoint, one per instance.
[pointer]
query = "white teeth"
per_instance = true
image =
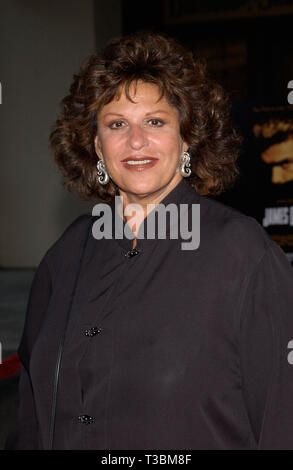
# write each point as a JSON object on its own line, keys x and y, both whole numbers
{"x": 137, "y": 162}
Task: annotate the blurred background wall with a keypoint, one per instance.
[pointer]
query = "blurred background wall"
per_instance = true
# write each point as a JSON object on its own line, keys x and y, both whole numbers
{"x": 42, "y": 43}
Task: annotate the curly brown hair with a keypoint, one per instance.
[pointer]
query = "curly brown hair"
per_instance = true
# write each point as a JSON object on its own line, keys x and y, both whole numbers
{"x": 204, "y": 110}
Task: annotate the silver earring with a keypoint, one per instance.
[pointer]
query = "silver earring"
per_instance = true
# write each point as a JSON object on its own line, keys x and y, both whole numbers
{"x": 103, "y": 177}
{"x": 185, "y": 165}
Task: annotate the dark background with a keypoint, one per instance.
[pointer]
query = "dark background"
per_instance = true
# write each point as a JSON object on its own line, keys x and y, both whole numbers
{"x": 251, "y": 57}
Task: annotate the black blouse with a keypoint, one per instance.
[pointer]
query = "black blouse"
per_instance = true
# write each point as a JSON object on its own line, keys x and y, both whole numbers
{"x": 166, "y": 349}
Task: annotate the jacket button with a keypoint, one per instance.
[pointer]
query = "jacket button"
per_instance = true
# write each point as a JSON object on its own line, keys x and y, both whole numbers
{"x": 86, "y": 419}
{"x": 92, "y": 331}
{"x": 132, "y": 253}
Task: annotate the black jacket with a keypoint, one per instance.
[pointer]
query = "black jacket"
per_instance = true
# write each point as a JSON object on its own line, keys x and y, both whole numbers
{"x": 168, "y": 349}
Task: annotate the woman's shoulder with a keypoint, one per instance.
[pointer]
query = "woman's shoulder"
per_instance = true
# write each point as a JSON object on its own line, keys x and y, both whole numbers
{"x": 233, "y": 231}
{"x": 69, "y": 242}
{"x": 239, "y": 243}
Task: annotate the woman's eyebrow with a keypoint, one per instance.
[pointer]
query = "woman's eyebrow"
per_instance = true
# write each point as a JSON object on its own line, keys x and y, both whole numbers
{"x": 146, "y": 114}
{"x": 156, "y": 111}
{"x": 113, "y": 114}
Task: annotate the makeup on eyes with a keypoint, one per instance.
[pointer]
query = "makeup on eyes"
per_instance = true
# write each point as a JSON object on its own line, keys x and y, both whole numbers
{"x": 160, "y": 123}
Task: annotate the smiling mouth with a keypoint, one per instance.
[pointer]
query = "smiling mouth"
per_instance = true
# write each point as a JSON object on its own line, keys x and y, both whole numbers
{"x": 139, "y": 164}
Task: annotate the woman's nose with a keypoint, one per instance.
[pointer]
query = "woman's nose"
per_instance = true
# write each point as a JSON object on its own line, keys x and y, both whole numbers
{"x": 137, "y": 137}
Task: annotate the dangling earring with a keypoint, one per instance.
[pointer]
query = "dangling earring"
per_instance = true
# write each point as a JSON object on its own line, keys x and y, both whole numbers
{"x": 103, "y": 177}
{"x": 185, "y": 165}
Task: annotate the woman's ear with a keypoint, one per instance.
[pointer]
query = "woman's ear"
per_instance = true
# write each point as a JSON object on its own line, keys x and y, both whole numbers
{"x": 98, "y": 147}
{"x": 185, "y": 147}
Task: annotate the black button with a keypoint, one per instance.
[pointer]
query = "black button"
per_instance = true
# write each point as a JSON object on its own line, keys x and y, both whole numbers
{"x": 86, "y": 419}
{"x": 132, "y": 253}
{"x": 92, "y": 331}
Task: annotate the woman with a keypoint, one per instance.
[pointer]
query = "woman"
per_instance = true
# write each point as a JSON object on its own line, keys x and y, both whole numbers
{"x": 135, "y": 342}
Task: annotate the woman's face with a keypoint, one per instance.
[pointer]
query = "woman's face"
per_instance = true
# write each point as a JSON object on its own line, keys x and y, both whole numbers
{"x": 147, "y": 130}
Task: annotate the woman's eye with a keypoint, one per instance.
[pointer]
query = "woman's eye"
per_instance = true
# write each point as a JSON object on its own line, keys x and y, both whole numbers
{"x": 116, "y": 124}
{"x": 156, "y": 122}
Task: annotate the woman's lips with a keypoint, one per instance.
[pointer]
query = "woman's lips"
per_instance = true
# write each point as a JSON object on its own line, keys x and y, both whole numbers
{"x": 139, "y": 166}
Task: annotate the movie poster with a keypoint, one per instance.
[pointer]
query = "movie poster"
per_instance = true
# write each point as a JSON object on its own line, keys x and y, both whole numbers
{"x": 271, "y": 150}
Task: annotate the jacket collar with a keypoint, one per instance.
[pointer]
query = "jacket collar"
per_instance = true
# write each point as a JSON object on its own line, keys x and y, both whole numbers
{"x": 183, "y": 193}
